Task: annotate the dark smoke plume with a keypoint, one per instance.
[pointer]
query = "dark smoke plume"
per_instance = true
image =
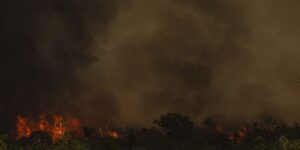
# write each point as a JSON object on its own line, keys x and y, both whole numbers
{"x": 44, "y": 45}
{"x": 122, "y": 62}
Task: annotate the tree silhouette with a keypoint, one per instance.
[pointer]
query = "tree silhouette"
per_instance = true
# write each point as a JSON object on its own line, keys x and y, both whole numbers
{"x": 173, "y": 122}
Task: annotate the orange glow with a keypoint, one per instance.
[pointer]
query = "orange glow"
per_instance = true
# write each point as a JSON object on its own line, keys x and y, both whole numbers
{"x": 234, "y": 136}
{"x": 242, "y": 132}
{"x": 113, "y": 134}
{"x": 23, "y": 129}
{"x": 58, "y": 127}
{"x": 74, "y": 124}
{"x": 108, "y": 133}
{"x": 219, "y": 128}
{"x": 43, "y": 123}
{"x": 231, "y": 137}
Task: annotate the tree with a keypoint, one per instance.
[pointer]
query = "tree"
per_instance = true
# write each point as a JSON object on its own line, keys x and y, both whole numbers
{"x": 138, "y": 148}
{"x": 73, "y": 144}
{"x": 179, "y": 131}
{"x": 3, "y": 145}
{"x": 173, "y": 122}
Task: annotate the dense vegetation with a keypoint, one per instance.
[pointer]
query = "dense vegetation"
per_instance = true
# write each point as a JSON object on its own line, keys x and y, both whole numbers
{"x": 171, "y": 132}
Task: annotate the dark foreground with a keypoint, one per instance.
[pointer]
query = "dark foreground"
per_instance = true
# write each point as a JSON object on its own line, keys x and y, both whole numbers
{"x": 171, "y": 132}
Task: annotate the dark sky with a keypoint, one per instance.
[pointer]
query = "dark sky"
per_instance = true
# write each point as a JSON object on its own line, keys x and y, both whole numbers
{"x": 126, "y": 62}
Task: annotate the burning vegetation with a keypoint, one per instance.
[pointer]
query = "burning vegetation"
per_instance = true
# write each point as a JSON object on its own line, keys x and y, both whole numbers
{"x": 171, "y": 131}
{"x": 22, "y": 127}
{"x": 234, "y": 136}
{"x": 57, "y": 127}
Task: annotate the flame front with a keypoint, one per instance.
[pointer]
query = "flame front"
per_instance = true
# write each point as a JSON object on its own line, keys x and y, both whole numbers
{"x": 23, "y": 129}
{"x": 57, "y": 130}
{"x": 58, "y": 127}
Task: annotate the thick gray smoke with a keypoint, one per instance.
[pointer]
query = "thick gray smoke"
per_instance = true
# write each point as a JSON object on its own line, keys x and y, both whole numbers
{"x": 123, "y": 62}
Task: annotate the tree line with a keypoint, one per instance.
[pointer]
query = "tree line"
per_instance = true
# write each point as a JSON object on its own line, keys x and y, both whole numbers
{"x": 171, "y": 131}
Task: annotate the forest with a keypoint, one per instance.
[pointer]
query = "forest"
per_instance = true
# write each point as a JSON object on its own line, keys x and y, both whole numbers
{"x": 171, "y": 131}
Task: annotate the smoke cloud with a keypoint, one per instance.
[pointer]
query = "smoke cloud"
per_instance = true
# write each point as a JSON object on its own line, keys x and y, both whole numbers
{"x": 127, "y": 62}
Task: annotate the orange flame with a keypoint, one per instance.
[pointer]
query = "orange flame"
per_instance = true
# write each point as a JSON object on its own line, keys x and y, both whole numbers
{"x": 22, "y": 127}
{"x": 238, "y": 136}
{"x": 58, "y": 127}
{"x": 219, "y": 128}
{"x": 43, "y": 123}
{"x": 57, "y": 130}
{"x": 113, "y": 134}
{"x": 234, "y": 136}
{"x": 242, "y": 132}
{"x": 108, "y": 133}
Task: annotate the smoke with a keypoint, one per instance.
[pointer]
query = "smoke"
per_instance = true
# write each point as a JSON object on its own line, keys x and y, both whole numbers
{"x": 174, "y": 56}
{"x": 275, "y": 51}
{"x": 123, "y": 62}
{"x": 200, "y": 58}
{"x": 44, "y": 45}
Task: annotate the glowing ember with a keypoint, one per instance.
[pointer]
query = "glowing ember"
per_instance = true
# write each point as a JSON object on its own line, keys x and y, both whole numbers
{"x": 231, "y": 137}
{"x": 242, "y": 132}
{"x": 113, "y": 134}
{"x": 234, "y": 136}
{"x": 108, "y": 133}
{"x": 219, "y": 128}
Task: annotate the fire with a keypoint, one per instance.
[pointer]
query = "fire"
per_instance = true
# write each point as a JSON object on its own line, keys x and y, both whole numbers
{"x": 219, "y": 128}
{"x": 43, "y": 123}
{"x": 242, "y": 132}
{"x": 74, "y": 124}
{"x": 108, "y": 133}
{"x": 234, "y": 136}
{"x": 238, "y": 136}
{"x": 23, "y": 129}
{"x": 113, "y": 134}
{"x": 231, "y": 137}
{"x": 58, "y": 127}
